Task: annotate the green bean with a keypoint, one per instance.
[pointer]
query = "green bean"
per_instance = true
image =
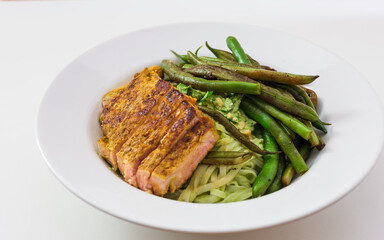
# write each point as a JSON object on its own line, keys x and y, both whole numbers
{"x": 267, "y": 68}
{"x": 286, "y": 104}
{"x": 312, "y": 95}
{"x": 268, "y": 173}
{"x": 212, "y": 59}
{"x": 198, "y": 49}
{"x": 301, "y": 95}
{"x": 187, "y": 65}
{"x": 237, "y": 50}
{"x": 227, "y": 154}
{"x": 302, "y": 92}
{"x": 320, "y": 126}
{"x": 276, "y": 183}
{"x": 232, "y": 129}
{"x": 281, "y": 138}
{"x": 176, "y": 74}
{"x": 322, "y": 143}
{"x": 291, "y": 122}
{"x": 211, "y": 72}
{"x": 288, "y": 174}
{"x": 288, "y": 88}
{"x": 291, "y": 134}
{"x": 184, "y": 58}
{"x": 268, "y": 94}
{"x": 227, "y": 56}
{"x": 253, "y": 62}
{"x": 226, "y": 158}
{"x": 289, "y": 171}
{"x": 286, "y": 93}
{"x": 257, "y": 73}
{"x": 313, "y": 139}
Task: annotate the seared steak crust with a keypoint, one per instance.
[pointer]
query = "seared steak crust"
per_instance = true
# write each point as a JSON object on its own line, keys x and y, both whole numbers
{"x": 154, "y": 134}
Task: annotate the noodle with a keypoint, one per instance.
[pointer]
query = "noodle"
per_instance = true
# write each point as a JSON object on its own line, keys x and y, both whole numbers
{"x": 222, "y": 183}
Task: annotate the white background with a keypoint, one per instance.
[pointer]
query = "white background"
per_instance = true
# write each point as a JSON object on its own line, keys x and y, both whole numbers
{"x": 38, "y": 39}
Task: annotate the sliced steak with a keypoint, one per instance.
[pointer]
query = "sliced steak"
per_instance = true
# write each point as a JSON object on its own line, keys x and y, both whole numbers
{"x": 148, "y": 136}
{"x": 124, "y": 118}
{"x": 183, "y": 158}
{"x": 154, "y": 134}
{"x": 190, "y": 115}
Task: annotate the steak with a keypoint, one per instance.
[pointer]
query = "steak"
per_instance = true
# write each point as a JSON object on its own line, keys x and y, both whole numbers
{"x": 123, "y": 112}
{"x": 182, "y": 160}
{"x": 154, "y": 134}
{"x": 188, "y": 118}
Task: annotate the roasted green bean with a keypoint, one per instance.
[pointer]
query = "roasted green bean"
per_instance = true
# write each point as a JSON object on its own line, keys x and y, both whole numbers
{"x": 267, "y": 93}
{"x": 232, "y": 129}
{"x": 289, "y": 171}
{"x": 226, "y": 158}
{"x": 257, "y": 73}
{"x": 281, "y": 138}
{"x": 178, "y": 75}
{"x": 291, "y": 122}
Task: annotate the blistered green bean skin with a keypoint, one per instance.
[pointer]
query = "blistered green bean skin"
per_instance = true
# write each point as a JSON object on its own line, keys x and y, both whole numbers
{"x": 176, "y": 74}
{"x": 268, "y": 173}
{"x": 257, "y": 73}
{"x": 267, "y": 93}
{"x": 216, "y": 72}
{"x": 275, "y": 130}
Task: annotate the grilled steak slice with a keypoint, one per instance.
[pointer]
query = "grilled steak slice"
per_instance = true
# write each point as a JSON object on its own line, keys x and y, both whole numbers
{"x": 154, "y": 134}
{"x": 184, "y": 157}
{"x": 118, "y": 103}
{"x": 122, "y": 118}
{"x": 148, "y": 136}
{"x": 190, "y": 115}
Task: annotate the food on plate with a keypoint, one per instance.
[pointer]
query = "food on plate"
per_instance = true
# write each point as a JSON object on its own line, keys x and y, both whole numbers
{"x": 211, "y": 129}
{"x": 154, "y": 134}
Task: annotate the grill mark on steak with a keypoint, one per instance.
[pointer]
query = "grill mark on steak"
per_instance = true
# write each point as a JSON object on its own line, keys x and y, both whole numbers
{"x": 147, "y": 137}
{"x": 156, "y": 133}
{"x": 183, "y": 158}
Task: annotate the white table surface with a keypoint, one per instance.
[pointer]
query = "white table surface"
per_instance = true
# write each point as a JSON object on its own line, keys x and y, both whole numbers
{"x": 38, "y": 39}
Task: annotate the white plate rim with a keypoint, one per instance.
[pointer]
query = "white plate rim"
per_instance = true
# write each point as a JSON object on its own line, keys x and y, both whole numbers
{"x": 238, "y": 229}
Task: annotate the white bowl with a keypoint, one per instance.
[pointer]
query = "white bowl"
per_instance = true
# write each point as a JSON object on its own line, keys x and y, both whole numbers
{"x": 68, "y": 128}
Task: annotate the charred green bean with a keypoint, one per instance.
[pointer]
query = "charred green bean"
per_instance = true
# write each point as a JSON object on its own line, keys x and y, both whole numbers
{"x": 272, "y": 127}
{"x": 267, "y": 93}
{"x": 232, "y": 130}
{"x": 178, "y": 75}
{"x": 258, "y": 73}
{"x": 291, "y": 122}
{"x": 226, "y": 158}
